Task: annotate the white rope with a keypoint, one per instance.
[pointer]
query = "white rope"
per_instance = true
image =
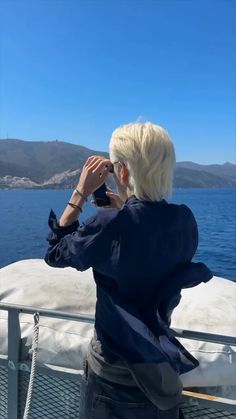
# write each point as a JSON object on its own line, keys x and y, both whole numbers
{"x": 33, "y": 365}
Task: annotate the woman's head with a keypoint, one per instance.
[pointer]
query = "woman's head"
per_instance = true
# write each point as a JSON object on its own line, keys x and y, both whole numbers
{"x": 147, "y": 160}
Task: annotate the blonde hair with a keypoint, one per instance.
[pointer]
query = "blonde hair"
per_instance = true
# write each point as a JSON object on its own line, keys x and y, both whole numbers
{"x": 149, "y": 155}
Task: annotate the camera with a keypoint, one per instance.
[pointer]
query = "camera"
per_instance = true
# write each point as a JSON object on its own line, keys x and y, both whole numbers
{"x": 100, "y": 197}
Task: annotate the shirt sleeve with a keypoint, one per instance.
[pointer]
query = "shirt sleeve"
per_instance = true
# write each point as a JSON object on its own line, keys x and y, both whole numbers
{"x": 80, "y": 246}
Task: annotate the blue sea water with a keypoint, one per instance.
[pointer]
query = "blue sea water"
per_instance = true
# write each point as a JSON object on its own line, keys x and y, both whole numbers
{"x": 24, "y": 214}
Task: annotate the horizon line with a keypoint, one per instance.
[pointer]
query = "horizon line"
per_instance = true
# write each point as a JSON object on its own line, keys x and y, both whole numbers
{"x": 105, "y": 151}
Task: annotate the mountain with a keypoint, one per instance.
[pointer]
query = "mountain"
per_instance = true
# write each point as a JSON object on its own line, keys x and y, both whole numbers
{"x": 58, "y": 164}
{"x": 193, "y": 175}
{"x": 226, "y": 169}
{"x": 189, "y": 178}
{"x": 40, "y": 160}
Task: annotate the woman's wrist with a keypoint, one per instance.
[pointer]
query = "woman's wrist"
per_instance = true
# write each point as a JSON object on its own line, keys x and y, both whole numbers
{"x": 77, "y": 199}
{"x": 72, "y": 212}
{"x": 80, "y": 190}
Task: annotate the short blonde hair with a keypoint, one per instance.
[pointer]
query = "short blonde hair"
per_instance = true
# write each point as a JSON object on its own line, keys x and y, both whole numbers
{"x": 149, "y": 155}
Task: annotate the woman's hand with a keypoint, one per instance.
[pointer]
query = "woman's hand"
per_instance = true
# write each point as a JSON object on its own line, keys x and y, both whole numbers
{"x": 116, "y": 201}
{"x": 93, "y": 174}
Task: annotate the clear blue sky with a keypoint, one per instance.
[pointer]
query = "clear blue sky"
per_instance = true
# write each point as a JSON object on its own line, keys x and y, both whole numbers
{"x": 75, "y": 70}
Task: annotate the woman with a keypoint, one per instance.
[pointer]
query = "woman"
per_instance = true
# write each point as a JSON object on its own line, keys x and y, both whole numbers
{"x": 140, "y": 248}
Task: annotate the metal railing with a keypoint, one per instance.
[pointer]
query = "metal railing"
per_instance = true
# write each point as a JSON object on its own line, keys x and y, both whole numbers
{"x": 14, "y": 346}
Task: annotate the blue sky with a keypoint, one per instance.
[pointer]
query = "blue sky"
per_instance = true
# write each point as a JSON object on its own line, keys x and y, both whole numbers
{"x": 75, "y": 70}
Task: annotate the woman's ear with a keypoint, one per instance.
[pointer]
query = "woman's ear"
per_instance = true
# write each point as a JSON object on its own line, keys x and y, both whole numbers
{"x": 124, "y": 173}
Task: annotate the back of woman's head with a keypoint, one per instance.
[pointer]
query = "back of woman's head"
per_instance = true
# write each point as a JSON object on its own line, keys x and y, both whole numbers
{"x": 149, "y": 154}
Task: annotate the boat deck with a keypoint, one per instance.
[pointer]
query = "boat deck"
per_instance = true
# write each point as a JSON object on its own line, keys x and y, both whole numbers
{"x": 56, "y": 390}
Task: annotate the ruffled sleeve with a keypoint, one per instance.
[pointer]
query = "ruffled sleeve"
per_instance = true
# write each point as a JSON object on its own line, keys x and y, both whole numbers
{"x": 80, "y": 246}
{"x": 56, "y": 232}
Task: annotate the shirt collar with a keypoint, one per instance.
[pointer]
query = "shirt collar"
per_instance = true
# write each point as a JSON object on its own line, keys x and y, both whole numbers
{"x": 133, "y": 198}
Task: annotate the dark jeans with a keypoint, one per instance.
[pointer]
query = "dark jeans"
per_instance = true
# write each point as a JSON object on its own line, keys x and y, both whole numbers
{"x": 102, "y": 399}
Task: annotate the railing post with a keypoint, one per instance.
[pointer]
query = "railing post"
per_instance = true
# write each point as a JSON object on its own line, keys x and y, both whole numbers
{"x": 14, "y": 339}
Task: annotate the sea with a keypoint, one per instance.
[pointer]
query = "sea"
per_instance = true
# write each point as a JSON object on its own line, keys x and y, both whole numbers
{"x": 24, "y": 215}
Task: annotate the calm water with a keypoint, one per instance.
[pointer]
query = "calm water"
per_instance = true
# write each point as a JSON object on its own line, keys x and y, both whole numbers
{"x": 24, "y": 214}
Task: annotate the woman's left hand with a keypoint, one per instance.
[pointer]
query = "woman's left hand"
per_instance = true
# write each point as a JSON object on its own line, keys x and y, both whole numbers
{"x": 93, "y": 174}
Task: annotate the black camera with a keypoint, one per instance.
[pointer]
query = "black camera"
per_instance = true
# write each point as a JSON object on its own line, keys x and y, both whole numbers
{"x": 100, "y": 197}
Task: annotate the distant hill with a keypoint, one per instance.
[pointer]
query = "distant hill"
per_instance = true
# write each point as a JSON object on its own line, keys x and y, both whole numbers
{"x": 58, "y": 164}
{"x": 226, "y": 169}
{"x": 194, "y": 175}
{"x": 40, "y": 160}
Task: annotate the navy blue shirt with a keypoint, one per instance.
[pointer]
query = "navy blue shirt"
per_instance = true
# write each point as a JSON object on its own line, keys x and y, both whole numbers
{"x": 141, "y": 259}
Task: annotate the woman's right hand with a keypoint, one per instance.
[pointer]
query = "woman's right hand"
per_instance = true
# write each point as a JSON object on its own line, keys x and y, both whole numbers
{"x": 116, "y": 201}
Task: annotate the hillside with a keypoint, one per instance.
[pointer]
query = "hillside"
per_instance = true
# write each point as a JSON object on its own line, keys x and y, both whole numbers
{"x": 226, "y": 169}
{"x": 40, "y": 160}
{"x": 57, "y": 164}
